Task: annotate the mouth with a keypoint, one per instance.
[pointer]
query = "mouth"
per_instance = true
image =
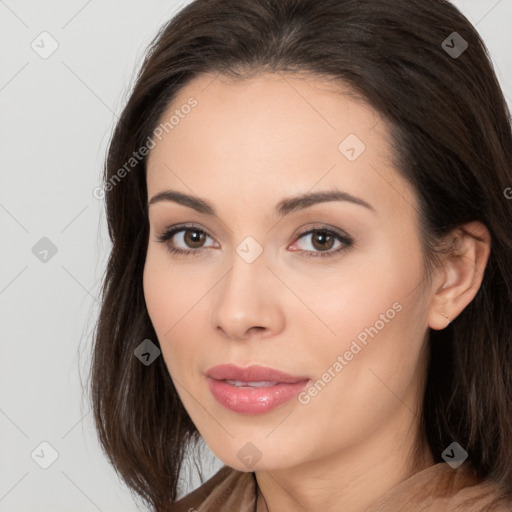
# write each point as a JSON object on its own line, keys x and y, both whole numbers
{"x": 253, "y": 376}
{"x": 260, "y": 384}
{"x": 253, "y": 390}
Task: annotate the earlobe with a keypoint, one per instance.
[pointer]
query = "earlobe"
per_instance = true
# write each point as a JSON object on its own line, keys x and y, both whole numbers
{"x": 461, "y": 274}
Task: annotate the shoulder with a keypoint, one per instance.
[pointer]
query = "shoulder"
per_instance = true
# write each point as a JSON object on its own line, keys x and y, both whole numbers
{"x": 226, "y": 490}
{"x": 440, "y": 487}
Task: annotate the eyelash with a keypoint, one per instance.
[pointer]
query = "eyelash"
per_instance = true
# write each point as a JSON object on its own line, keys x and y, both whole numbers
{"x": 345, "y": 239}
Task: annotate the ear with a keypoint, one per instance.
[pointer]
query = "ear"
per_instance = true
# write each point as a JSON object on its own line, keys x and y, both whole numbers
{"x": 458, "y": 279}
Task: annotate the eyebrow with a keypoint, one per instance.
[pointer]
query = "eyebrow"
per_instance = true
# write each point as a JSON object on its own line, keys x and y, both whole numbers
{"x": 284, "y": 207}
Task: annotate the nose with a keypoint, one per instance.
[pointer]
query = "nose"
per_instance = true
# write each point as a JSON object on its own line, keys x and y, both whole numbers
{"x": 248, "y": 302}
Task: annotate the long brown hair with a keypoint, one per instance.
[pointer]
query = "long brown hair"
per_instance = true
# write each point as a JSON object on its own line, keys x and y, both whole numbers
{"x": 451, "y": 136}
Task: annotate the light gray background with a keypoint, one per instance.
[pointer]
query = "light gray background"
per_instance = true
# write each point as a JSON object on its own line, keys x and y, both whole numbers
{"x": 56, "y": 116}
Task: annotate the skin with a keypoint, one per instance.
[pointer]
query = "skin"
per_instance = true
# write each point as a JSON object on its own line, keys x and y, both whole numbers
{"x": 243, "y": 148}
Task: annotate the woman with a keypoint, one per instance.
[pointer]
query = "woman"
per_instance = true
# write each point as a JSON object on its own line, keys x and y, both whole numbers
{"x": 310, "y": 267}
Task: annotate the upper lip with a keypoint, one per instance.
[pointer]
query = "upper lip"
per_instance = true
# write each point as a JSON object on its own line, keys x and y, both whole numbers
{"x": 253, "y": 373}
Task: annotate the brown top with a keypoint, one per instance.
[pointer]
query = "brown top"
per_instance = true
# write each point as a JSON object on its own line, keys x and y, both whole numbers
{"x": 437, "y": 488}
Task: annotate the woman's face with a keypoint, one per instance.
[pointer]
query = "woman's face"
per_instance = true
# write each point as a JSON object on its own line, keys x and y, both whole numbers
{"x": 347, "y": 309}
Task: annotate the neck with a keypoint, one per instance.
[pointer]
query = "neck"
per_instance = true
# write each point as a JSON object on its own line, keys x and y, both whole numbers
{"x": 351, "y": 480}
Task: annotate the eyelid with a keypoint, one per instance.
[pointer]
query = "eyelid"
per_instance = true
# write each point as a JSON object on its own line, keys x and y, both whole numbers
{"x": 169, "y": 232}
{"x": 346, "y": 241}
{"x": 344, "y": 238}
{"x": 321, "y": 227}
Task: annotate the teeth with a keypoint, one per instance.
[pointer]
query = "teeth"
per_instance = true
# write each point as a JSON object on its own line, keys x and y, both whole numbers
{"x": 260, "y": 384}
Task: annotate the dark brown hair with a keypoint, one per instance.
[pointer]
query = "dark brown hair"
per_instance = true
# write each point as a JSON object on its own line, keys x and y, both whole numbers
{"x": 451, "y": 137}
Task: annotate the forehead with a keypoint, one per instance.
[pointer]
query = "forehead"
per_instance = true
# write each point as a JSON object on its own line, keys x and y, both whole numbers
{"x": 286, "y": 132}
{"x": 272, "y": 111}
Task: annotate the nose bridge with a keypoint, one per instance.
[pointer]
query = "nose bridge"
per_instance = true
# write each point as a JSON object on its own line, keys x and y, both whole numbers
{"x": 243, "y": 283}
{"x": 245, "y": 299}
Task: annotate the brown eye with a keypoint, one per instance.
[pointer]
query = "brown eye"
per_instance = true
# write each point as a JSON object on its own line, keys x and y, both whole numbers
{"x": 322, "y": 240}
{"x": 184, "y": 240}
{"x": 323, "y": 243}
{"x": 194, "y": 238}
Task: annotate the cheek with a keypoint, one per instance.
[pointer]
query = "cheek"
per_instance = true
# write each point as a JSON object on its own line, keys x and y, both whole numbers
{"x": 154, "y": 286}
{"x": 173, "y": 302}
{"x": 163, "y": 294}
{"x": 367, "y": 330}
{"x": 377, "y": 314}
{"x": 169, "y": 291}
{"x": 366, "y": 290}
{"x": 371, "y": 299}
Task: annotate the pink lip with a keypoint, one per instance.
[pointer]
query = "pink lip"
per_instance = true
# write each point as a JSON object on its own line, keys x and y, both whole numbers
{"x": 253, "y": 373}
{"x": 253, "y": 400}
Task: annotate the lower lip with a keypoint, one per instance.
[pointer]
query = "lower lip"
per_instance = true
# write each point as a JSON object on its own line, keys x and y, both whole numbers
{"x": 253, "y": 400}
